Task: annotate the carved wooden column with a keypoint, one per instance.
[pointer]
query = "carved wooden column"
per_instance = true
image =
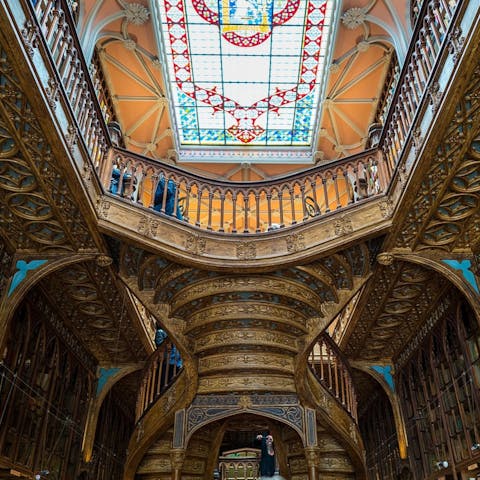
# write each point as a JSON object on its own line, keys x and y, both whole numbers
{"x": 177, "y": 457}
{"x": 312, "y": 456}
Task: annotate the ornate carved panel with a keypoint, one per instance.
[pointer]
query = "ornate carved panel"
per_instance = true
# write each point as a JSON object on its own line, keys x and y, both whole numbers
{"x": 95, "y": 310}
{"x": 400, "y": 297}
{"x": 37, "y": 208}
{"x": 206, "y": 408}
{"x": 445, "y": 212}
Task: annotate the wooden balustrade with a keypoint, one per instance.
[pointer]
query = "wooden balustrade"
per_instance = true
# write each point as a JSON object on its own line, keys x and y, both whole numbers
{"x": 58, "y": 30}
{"x": 241, "y": 469}
{"x": 337, "y": 328}
{"x": 432, "y": 25}
{"x": 239, "y": 464}
{"x": 162, "y": 369}
{"x": 254, "y": 207}
{"x": 332, "y": 371}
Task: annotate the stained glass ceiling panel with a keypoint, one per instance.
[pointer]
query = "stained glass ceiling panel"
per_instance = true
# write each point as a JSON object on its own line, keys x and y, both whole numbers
{"x": 245, "y": 73}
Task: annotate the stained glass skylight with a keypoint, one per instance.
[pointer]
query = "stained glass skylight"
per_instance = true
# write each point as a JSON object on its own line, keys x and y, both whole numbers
{"x": 246, "y": 74}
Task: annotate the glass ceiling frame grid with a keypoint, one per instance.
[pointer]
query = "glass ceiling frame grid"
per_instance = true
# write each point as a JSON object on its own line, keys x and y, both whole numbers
{"x": 244, "y": 139}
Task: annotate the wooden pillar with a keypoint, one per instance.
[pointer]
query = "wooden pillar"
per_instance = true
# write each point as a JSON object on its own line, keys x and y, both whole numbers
{"x": 312, "y": 455}
{"x": 177, "y": 457}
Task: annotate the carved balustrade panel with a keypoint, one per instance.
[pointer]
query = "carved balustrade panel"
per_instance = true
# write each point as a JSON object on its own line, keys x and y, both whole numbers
{"x": 444, "y": 212}
{"x": 238, "y": 468}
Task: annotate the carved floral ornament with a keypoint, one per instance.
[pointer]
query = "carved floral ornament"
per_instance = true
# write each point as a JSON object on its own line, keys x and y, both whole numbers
{"x": 424, "y": 224}
{"x": 135, "y": 13}
{"x": 354, "y": 17}
{"x": 343, "y": 226}
{"x": 385, "y": 258}
{"x": 40, "y": 215}
{"x": 295, "y": 242}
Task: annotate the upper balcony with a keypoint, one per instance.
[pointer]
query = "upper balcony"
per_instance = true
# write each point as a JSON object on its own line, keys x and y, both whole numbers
{"x": 363, "y": 187}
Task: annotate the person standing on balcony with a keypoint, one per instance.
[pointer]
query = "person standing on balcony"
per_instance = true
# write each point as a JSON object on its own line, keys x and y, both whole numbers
{"x": 267, "y": 457}
{"x": 172, "y": 206}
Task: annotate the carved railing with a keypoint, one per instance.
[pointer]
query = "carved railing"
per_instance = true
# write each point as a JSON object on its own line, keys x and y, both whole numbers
{"x": 433, "y": 24}
{"x": 254, "y": 207}
{"x": 415, "y": 7}
{"x": 241, "y": 467}
{"x": 338, "y": 328}
{"x": 332, "y": 371}
{"x": 160, "y": 372}
{"x": 58, "y": 30}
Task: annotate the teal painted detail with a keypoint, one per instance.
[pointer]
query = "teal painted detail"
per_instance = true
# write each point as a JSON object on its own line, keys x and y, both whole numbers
{"x": 464, "y": 266}
{"x": 23, "y": 268}
{"x": 386, "y": 372}
{"x": 105, "y": 374}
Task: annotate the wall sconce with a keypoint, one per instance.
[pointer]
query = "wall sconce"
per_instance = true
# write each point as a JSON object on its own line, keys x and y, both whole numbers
{"x": 442, "y": 464}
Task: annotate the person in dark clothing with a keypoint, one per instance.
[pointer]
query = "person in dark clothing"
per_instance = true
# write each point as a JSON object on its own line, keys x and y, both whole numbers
{"x": 160, "y": 336}
{"x": 118, "y": 178}
{"x": 267, "y": 458}
{"x": 169, "y": 200}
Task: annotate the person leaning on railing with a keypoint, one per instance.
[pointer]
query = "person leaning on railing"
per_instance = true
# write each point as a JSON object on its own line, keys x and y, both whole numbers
{"x": 169, "y": 201}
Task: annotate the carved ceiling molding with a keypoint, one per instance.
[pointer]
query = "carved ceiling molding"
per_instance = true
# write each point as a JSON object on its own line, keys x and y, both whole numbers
{"x": 95, "y": 310}
{"x": 251, "y": 360}
{"x": 445, "y": 213}
{"x": 398, "y": 303}
{"x": 208, "y": 408}
{"x": 37, "y": 209}
{"x": 253, "y": 314}
{"x": 267, "y": 382}
{"x": 252, "y": 283}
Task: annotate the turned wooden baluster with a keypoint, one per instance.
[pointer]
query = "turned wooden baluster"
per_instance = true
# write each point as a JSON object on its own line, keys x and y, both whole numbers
{"x": 222, "y": 212}
{"x": 246, "y": 212}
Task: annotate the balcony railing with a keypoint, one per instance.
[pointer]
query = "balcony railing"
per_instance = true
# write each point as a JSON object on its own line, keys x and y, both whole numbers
{"x": 244, "y": 208}
{"x": 159, "y": 374}
{"x": 433, "y": 24}
{"x": 332, "y": 371}
{"x": 240, "y": 464}
{"x": 58, "y": 29}
{"x": 257, "y": 206}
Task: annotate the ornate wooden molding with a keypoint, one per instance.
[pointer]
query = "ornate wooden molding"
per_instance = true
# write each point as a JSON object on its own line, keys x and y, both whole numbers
{"x": 181, "y": 242}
